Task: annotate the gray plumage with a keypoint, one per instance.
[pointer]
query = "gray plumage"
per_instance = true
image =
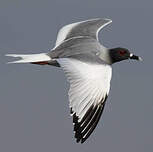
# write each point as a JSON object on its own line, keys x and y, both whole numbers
{"x": 87, "y": 65}
{"x": 82, "y": 47}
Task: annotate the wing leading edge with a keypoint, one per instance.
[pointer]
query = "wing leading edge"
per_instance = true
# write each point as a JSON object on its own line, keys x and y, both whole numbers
{"x": 88, "y": 28}
{"x": 89, "y": 88}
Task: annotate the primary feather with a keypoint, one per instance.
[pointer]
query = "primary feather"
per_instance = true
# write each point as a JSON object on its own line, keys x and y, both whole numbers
{"x": 89, "y": 87}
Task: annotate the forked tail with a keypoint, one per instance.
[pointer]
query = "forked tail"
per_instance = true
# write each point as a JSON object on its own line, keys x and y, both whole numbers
{"x": 41, "y": 58}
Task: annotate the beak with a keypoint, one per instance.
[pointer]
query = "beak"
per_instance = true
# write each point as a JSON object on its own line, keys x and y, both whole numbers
{"x": 132, "y": 56}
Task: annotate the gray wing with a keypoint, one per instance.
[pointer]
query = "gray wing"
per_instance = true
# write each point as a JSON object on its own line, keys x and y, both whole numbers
{"x": 88, "y": 28}
{"x": 81, "y": 47}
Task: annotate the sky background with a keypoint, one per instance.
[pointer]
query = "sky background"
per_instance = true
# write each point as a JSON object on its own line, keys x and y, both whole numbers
{"x": 34, "y": 112}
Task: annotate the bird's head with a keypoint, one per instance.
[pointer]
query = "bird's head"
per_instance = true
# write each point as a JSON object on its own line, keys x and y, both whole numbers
{"x": 119, "y": 54}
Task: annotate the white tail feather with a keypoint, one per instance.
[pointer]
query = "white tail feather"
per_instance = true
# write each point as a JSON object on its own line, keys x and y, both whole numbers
{"x": 28, "y": 58}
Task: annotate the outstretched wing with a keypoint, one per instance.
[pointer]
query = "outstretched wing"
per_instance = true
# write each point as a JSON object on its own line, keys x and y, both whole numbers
{"x": 88, "y": 28}
{"x": 89, "y": 87}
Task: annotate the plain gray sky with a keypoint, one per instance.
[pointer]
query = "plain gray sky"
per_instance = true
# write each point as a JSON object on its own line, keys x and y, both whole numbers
{"x": 34, "y": 112}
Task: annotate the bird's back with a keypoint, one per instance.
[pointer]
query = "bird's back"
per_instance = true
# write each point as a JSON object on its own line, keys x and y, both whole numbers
{"x": 78, "y": 46}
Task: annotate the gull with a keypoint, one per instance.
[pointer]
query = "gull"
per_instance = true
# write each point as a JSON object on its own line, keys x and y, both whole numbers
{"x": 88, "y": 67}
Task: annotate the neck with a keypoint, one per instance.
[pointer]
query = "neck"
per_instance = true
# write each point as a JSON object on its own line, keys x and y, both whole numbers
{"x": 105, "y": 56}
{"x": 112, "y": 55}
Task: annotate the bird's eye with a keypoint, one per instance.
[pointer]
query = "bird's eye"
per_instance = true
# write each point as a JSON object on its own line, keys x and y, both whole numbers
{"x": 122, "y": 52}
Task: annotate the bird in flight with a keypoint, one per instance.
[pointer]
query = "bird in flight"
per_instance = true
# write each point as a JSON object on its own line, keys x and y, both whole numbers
{"x": 88, "y": 67}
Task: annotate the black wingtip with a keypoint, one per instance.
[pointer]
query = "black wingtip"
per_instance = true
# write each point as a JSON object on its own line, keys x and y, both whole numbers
{"x": 86, "y": 126}
{"x": 71, "y": 111}
{"x": 83, "y": 140}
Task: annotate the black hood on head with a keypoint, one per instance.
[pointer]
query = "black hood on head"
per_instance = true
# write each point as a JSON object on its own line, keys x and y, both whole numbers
{"x": 119, "y": 54}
